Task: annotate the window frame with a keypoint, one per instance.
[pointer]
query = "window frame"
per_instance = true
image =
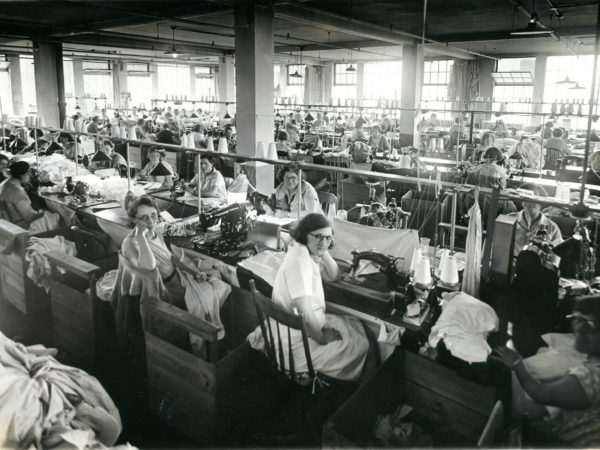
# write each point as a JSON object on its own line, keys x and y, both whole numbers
{"x": 342, "y": 73}
{"x": 293, "y": 81}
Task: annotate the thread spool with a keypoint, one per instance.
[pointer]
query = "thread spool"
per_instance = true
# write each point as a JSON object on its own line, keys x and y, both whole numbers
{"x": 190, "y": 141}
{"x": 123, "y": 133}
{"x": 443, "y": 258}
{"x": 116, "y": 131}
{"x": 449, "y": 271}
{"x": 210, "y": 145}
{"x": 423, "y": 272}
{"x": 223, "y": 147}
{"x": 272, "y": 152}
{"x": 415, "y": 258}
{"x": 260, "y": 150}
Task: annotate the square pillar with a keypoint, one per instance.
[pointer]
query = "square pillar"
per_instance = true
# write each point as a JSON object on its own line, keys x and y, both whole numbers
{"x": 192, "y": 95}
{"x": 120, "y": 84}
{"x": 486, "y": 89}
{"x": 254, "y": 51}
{"x": 360, "y": 80}
{"x": 539, "y": 80}
{"x": 225, "y": 83}
{"x": 412, "y": 82}
{"x": 16, "y": 85}
{"x": 154, "y": 78}
{"x": 49, "y": 82}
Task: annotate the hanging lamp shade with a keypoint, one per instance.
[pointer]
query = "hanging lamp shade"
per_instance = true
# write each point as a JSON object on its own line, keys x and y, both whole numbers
{"x": 296, "y": 75}
{"x": 160, "y": 170}
{"x": 565, "y": 81}
{"x": 193, "y": 116}
{"x": 226, "y": 116}
{"x": 100, "y": 156}
{"x": 223, "y": 147}
{"x": 309, "y": 117}
{"x": 577, "y": 87}
{"x": 350, "y": 68}
{"x": 532, "y": 28}
{"x": 210, "y": 145}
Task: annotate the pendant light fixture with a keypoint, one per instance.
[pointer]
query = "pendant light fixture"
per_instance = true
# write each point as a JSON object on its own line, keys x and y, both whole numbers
{"x": 565, "y": 81}
{"x": 296, "y": 74}
{"x": 532, "y": 28}
{"x": 226, "y": 116}
{"x": 172, "y": 52}
{"x": 577, "y": 87}
{"x": 160, "y": 170}
{"x": 350, "y": 68}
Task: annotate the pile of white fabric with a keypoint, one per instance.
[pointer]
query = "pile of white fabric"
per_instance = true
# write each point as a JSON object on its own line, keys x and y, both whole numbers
{"x": 38, "y": 269}
{"x": 111, "y": 188}
{"x": 44, "y": 404}
{"x": 464, "y": 326}
{"x": 55, "y": 168}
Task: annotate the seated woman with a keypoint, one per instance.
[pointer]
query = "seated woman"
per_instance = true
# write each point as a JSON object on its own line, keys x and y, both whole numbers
{"x": 531, "y": 221}
{"x": 499, "y": 129}
{"x": 292, "y": 134}
{"x": 147, "y": 270}
{"x": 377, "y": 141}
{"x": 155, "y": 155}
{"x": 563, "y": 411}
{"x": 283, "y": 149}
{"x": 338, "y": 344}
{"x": 210, "y": 182}
{"x": 490, "y": 173}
{"x": 199, "y": 136}
{"x": 529, "y": 151}
{"x": 286, "y": 193}
{"x": 359, "y": 134}
{"x": 116, "y": 160}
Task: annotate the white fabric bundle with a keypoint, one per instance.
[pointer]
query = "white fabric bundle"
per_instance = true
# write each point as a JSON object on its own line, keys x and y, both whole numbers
{"x": 44, "y": 404}
{"x": 111, "y": 188}
{"x": 49, "y": 221}
{"x": 106, "y": 284}
{"x": 55, "y": 168}
{"x": 264, "y": 265}
{"x": 464, "y": 325}
{"x": 555, "y": 360}
{"x": 38, "y": 269}
{"x": 472, "y": 273}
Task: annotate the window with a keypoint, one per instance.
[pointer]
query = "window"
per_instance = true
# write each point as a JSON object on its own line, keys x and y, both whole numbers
{"x": 6, "y": 93}
{"x": 69, "y": 85}
{"x": 344, "y": 75}
{"x": 436, "y": 76}
{"x": 140, "y": 88}
{"x": 173, "y": 80}
{"x": 513, "y": 89}
{"x": 205, "y": 81}
{"x": 579, "y": 70}
{"x": 382, "y": 80}
{"x": 343, "y": 93}
{"x": 28, "y": 85}
{"x": 276, "y": 72}
{"x": 96, "y": 65}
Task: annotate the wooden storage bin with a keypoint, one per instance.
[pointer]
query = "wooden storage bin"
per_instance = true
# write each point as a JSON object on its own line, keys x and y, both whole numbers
{"x": 83, "y": 324}
{"x": 462, "y": 409}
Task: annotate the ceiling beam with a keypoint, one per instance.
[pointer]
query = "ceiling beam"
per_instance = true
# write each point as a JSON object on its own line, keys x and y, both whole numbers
{"x": 452, "y": 52}
{"x": 505, "y": 35}
{"x": 350, "y": 45}
{"x": 341, "y": 24}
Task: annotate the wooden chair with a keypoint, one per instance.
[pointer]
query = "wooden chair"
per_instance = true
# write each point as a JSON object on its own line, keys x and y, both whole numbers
{"x": 552, "y": 156}
{"x": 312, "y": 406}
{"x": 327, "y": 200}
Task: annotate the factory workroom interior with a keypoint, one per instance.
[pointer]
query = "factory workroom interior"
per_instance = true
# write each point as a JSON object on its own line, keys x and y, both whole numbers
{"x": 299, "y": 224}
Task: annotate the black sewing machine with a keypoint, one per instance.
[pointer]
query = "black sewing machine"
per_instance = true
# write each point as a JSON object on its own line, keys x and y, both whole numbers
{"x": 396, "y": 280}
{"x": 232, "y": 217}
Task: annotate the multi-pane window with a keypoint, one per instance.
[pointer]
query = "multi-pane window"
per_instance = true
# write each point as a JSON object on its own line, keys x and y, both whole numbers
{"x": 28, "y": 84}
{"x": 513, "y": 89}
{"x": 205, "y": 82}
{"x": 382, "y": 80}
{"x": 436, "y": 76}
{"x": 578, "y": 69}
{"x": 292, "y": 71}
{"x": 173, "y": 80}
{"x": 344, "y": 75}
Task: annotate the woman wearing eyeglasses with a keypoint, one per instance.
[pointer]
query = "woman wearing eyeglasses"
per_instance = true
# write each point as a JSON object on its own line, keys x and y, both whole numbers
{"x": 286, "y": 193}
{"x": 575, "y": 418}
{"x": 338, "y": 345}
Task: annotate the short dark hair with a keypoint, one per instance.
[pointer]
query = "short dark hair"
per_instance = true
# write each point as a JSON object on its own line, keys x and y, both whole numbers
{"x": 308, "y": 224}
{"x": 18, "y": 169}
{"x": 142, "y": 200}
{"x": 557, "y": 132}
{"x": 492, "y": 153}
{"x": 549, "y": 124}
{"x": 282, "y": 136}
{"x": 3, "y": 157}
{"x": 210, "y": 158}
{"x": 284, "y": 170}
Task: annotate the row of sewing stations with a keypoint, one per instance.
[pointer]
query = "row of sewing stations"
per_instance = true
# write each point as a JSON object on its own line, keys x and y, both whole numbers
{"x": 395, "y": 279}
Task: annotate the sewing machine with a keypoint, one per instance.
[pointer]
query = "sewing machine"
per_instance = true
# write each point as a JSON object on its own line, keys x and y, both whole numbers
{"x": 395, "y": 279}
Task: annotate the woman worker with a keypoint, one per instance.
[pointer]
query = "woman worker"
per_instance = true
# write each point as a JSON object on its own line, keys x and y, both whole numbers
{"x": 338, "y": 344}
{"x": 210, "y": 181}
{"x": 155, "y": 155}
{"x": 576, "y": 394}
{"x": 377, "y": 141}
{"x": 15, "y": 205}
{"x": 286, "y": 194}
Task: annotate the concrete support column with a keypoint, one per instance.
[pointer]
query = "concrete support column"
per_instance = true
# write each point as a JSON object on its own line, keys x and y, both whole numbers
{"x": 154, "y": 78}
{"x": 120, "y": 84}
{"x": 79, "y": 84}
{"x": 254, "y": 49}
{"x": 226, "y": 82}
{"x": 16, "y": 85}
{"x": 328, "y": 83}
{"x": 192, "y": 94}
{"x": 486, "y": 89}
{"x": 539, "y": 80}
{"x": 412, "y": 82}
{"x": 360, "y": 80}
{"x": 49, "y": 82}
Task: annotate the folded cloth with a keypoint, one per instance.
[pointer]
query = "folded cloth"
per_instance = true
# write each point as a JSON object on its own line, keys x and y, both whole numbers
{"x": 45, "y": 404}
{"x": 38, "y": 269}
{"x": 48, "y": 222}
{"x": 264, "y": 265}
{"x": 464, "y": 325}
{"x": 555, "y": 360}
{"x": 105, "y": 285}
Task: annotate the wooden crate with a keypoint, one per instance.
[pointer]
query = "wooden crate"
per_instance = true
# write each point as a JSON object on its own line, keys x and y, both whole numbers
{"x": 450, "y": 403}
{"x": 83, "y": 324}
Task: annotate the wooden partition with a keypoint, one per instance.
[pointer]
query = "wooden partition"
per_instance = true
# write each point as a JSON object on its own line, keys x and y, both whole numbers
{"x": 13, "y": 242}
{"x": 83, "y": 324}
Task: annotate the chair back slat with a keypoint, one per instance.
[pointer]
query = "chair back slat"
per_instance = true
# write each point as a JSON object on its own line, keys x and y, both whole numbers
{"x": 268, "y": 313}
